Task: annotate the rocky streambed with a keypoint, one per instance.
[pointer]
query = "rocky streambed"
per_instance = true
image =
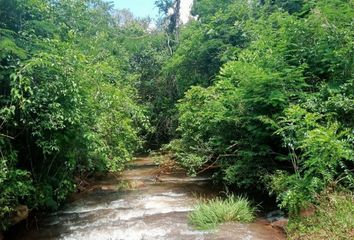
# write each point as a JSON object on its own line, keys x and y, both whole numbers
{"x": 141, "y": 204}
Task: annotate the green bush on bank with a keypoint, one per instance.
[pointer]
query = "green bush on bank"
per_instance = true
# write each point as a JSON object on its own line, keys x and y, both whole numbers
{"x": 68, "y": 104}
{"x": 282, "y": 104}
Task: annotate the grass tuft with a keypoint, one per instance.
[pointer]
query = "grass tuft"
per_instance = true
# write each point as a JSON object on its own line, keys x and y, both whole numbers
{"x": 208, "y": 214}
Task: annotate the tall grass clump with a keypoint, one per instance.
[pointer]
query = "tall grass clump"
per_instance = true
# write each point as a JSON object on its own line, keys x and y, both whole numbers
{"x": 208, "y": 214}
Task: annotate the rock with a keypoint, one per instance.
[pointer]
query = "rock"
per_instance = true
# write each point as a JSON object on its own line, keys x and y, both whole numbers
{"x": 280, "y": 224}
{"x": 275, "y": 215}
{"x": 1, "y": 236}
{"x": 108, "y": 187}
{"x": 21, "y": 213}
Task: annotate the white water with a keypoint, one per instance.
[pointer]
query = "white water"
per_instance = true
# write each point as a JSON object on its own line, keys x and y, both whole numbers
{"x": 155, "y": 210}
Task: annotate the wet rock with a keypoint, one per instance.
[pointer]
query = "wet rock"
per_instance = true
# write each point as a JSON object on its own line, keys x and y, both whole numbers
{"x": 109, "y": 188}
{"x": 278, "y": 220}
{"x": 276, "y": 215}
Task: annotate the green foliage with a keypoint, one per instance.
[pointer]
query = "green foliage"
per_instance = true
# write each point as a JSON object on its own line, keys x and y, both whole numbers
{"x": 261, "y": 91}
{"x": 195, "y": 56}
{"x": 149, "y": 53}
{"x": 320, "y": 155}
{"x": 69, "y": 103}
{"x": 15, "y": 184}
{"x": 281, "y": 104}
{"x": 208, "y": 8}
{"x": 208, "y": 214}
{"x": 205, "y": 45}
{"x": 217, "y": 122}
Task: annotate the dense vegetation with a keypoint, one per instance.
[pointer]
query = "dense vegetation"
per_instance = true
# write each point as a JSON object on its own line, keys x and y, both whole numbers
{"x": 260, "y": 91}
{"x": 279, "y": 113}
{"x": 68, "y": 99}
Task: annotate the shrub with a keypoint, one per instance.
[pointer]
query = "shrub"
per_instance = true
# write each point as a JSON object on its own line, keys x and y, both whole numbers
{"x": 15, "y": 185}
{"x": 320, "y": 155}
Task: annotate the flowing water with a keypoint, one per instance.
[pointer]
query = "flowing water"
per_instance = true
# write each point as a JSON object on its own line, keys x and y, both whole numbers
{"x": 138, "y": 205}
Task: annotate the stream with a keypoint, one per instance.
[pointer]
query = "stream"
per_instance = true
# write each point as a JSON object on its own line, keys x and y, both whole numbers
{"x": 138, "y": 205}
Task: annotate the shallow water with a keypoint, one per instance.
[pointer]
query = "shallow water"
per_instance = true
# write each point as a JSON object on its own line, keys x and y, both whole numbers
{"x": 154, "y": 208}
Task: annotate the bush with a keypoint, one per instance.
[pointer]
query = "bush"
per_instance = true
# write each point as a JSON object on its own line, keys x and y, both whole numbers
{"x": 281, "y": 106}
{"x": 320, "y": 155}
{"x": 15, "y": 185}
{"x": 210, "y": 213}
{"x": 68, "y": 104}
{"x": 216, "y": 123}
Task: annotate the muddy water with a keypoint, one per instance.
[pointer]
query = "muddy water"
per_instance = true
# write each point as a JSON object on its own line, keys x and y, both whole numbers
{"x": 139, "y": 205}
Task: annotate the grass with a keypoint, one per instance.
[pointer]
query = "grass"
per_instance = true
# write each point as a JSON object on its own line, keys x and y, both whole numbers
{"x": 208, "y": 214}
{"x": 333, "y": 219}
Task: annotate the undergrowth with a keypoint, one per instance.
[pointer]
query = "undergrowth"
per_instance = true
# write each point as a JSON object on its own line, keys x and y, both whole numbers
{"x": 333, "y": 219}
